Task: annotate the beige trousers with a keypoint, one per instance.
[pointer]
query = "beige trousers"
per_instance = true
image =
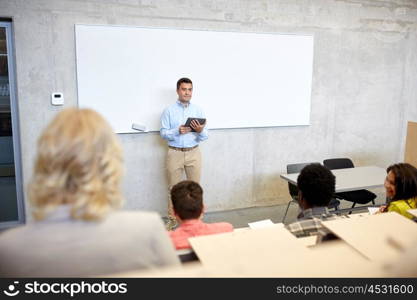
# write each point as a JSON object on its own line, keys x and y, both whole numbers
{"x": 179, "y": 162}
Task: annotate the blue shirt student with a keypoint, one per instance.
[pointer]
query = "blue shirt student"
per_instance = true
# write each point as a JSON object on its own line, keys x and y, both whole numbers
{"x": 176, "y": 115}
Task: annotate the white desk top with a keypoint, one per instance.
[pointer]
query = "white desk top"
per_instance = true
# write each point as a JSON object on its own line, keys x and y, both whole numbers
{"x": 246, "y": 247}
{"x": 275, "y": 252}
{"x": 351, "y": 179}
{"x": 412, "y": 212}
{"x": 380, "y": 237}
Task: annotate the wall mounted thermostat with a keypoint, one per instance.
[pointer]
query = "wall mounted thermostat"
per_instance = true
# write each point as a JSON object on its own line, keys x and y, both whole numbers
{"x": 57, "y": 99}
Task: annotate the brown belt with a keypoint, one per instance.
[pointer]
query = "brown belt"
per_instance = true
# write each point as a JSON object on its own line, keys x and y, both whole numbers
{"x": 183, "y": 149}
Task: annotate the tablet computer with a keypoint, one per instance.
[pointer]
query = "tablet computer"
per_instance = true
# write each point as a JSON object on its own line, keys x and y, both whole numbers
{"x": 188, "y": 122}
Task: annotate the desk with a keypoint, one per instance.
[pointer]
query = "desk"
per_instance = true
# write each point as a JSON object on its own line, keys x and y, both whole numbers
{"x": 351, "y": 179}
{"x": 245, "y": 248}
{"x": 381, "y": 237}
{"x": 412, "y": 212}
{"x": 275, "y": 252}
{"x": 345, "y": 262}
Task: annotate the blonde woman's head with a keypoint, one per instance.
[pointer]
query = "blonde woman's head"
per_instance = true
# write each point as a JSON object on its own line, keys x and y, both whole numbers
{"x": 79, "y": 163}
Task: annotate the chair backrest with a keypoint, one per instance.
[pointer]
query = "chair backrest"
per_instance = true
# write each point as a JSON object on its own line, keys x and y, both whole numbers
{"x": 338, "y": 163}
{"x": 296, "y": 168}
{"x": 187, "y": 255}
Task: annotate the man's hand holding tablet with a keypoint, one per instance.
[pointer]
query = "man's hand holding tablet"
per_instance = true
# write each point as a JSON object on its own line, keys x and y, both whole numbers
{"x": 196, "y": 124}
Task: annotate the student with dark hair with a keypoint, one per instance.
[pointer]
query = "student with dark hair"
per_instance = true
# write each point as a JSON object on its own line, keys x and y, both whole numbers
{"x": 401, "y": 189}
{"x": 188, "y": 208}
{"x": 316, "y": 185}
{"x": 183, "y": 154}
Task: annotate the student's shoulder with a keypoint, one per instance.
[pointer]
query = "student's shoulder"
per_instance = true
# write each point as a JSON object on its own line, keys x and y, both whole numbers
{"x": 397, "y": 205}
{"x": 12, "y": 233}
{"x": 224, "y": 226}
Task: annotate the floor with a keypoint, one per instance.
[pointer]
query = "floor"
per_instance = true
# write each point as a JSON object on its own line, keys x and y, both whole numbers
{"x": 241, "y": 217}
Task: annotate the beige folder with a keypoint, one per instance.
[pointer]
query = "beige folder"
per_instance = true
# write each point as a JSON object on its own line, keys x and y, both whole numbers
{"x": 410, "y": 155}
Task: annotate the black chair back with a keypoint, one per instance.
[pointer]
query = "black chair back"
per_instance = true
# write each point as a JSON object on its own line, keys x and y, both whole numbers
{"x": 358, "y": 196}
{"x": 338, "y": 163}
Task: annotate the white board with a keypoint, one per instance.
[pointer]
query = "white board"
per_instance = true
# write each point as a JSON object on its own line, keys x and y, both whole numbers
{"x": 129, "y": 75}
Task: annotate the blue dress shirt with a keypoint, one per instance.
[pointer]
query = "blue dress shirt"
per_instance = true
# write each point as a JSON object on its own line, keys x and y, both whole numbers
{"x": 173, "y": 117}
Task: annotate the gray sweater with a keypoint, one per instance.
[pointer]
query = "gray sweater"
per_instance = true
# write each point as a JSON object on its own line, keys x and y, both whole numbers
{"x": 62, "y": 247}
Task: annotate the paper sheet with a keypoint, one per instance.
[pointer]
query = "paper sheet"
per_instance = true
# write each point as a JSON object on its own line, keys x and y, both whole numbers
{"x": 373, "y": 210}
{"x": 261, "y": 224}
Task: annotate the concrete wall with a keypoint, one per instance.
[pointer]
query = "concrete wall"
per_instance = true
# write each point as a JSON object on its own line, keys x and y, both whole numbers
{"x": 364, "y": 87}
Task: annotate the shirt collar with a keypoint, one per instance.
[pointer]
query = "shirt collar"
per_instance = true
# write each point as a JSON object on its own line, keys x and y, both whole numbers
{"x": 182, "y": 105}
{"x": 315, "y": 212}
{"x": 191, "y": 222}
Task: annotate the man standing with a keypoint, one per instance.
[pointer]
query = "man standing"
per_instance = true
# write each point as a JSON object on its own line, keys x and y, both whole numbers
{"x": 183, "y": 152}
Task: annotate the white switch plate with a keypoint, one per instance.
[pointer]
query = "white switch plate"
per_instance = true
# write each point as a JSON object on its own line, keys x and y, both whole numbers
{"x": 57, "y": 99}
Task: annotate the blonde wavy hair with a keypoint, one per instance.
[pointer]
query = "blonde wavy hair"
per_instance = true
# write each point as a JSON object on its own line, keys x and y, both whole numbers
{"x": 79, "y": 163}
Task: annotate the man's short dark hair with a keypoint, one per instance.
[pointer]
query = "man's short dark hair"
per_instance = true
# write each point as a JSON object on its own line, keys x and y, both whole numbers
{"x": 317, "y": 184}
{"x": 405, "y": 181}
{"x": 183, "y": 80}
{"x": 187, "y": 199}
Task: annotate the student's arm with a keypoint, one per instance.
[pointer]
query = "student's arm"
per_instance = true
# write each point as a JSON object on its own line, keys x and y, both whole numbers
{"x": 397, "y": 207}
{"x": 382, "y": 209}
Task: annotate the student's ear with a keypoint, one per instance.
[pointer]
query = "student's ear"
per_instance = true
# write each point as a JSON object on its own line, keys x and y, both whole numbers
{"x": 300, "y": 199}
{"x": 203, "y": 210}
{"x": 175, "y": 215}
{"x": 299, "y": 196}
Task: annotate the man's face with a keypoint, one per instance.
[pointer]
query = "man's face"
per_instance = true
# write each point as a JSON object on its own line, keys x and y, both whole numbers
{"x": 389, "y": 184}
{"x": 185, "y": 91}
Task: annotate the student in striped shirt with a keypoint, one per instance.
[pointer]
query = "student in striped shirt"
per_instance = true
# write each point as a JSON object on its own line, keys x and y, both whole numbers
{"x": 316, "y": 185}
